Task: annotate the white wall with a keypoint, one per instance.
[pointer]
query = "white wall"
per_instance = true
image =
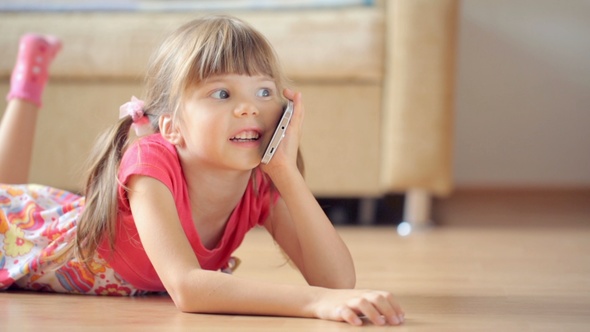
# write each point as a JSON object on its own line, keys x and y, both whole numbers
{"x": 523, "y": 94}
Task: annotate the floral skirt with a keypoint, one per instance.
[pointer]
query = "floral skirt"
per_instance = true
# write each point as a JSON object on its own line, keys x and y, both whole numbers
{"x": 37, "y": 222}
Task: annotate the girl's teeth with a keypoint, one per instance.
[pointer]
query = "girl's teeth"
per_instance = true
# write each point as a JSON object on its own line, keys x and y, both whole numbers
{"x": 246, "y": 136}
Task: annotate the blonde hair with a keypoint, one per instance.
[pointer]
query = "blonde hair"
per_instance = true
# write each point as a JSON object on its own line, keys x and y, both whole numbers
{"x": 197, "y": 50}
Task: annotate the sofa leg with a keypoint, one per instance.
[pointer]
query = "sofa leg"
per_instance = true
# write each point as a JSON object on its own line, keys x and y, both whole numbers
{"x": 416, "y": 210}
{"x": 367, "y": 210}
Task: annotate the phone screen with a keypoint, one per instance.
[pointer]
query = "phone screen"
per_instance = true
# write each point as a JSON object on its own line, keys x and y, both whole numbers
{"x": 279, "y": 133}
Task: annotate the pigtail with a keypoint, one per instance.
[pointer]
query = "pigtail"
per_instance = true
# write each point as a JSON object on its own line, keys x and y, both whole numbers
{"x": 100, "y": 213}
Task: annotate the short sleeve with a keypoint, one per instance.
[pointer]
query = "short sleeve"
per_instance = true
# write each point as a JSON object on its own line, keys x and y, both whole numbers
{"x": 152, "y": 157}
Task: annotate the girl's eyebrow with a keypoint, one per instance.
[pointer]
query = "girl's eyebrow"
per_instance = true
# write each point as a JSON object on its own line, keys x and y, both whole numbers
{"x": 222, "y": 78}
{"x": 213, "y": 79}
{"x": 263, "y": 78}
{"x": 267, "y": 80}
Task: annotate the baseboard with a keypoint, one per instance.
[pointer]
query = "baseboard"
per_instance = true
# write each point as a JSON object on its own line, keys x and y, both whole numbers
{"x": 519, "y": 206}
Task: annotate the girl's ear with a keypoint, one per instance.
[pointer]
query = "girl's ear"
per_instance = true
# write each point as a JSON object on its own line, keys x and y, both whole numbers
{"x": 169, "y": 131}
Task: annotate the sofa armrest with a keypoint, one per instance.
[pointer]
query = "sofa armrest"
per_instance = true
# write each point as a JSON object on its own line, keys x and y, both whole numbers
{"x": 418, "y": 95}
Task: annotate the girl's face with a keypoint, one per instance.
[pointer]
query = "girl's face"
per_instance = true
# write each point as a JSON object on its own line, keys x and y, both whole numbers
{"x": 228, "y": 120}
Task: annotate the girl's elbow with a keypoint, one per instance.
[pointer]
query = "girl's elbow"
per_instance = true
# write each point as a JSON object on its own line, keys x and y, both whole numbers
{"x": 188, "y": 303}
{"x": 184, "y": 297}
{"x": 191, "y": 291}
{"x": 181, "y": 301}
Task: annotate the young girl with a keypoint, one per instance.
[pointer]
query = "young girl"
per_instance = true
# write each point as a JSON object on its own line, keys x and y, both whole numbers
{"x": 164, "y": 212}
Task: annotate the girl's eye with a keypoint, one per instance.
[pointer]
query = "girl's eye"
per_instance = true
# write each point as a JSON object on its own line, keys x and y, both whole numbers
{"x": 220, "y": 94}
{"x": 263, "y": 93}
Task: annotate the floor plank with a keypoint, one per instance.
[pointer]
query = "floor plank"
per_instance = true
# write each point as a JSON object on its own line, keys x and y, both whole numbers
{"x": 448, "y": 278}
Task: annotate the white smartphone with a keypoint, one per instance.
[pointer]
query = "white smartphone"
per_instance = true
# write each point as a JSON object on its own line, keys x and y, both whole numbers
{"x": 279, "y": 133}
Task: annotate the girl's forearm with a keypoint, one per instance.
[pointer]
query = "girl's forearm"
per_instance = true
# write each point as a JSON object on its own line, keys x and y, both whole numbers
{"x": 202, "y": 291}
{"x": 327, "y": 261}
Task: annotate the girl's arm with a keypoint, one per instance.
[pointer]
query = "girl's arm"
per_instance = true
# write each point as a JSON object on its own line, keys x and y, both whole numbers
{"x": 301, "y": 228}
{"x": 298, "y": 224}
{"x": 195, "y": 290}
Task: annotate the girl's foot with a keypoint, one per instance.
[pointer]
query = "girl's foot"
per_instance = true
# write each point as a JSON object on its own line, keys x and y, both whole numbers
{"x": 31, "y": 72}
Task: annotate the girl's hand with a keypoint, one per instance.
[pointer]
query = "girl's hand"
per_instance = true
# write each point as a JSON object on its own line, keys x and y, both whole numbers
{"x": 285, "y": 158}
{"x": 350, "y": 305}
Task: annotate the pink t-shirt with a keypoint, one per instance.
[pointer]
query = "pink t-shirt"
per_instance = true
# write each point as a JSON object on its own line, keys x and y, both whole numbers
{"x": 155, "y": 157}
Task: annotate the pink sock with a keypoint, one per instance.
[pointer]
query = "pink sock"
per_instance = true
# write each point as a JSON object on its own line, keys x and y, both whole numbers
{"x": 31, "y": 72}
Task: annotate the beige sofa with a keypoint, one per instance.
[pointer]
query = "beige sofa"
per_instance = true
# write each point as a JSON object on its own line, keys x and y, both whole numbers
{"x": 377, "y": 84}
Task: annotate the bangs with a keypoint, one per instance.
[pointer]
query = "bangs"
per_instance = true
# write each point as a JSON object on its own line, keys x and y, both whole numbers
{"x": 232, "y": 48}
{"x": 204, "y": 48}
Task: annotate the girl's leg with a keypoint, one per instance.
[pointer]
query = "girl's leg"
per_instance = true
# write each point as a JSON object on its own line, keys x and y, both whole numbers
{"x": 17, "y": 129}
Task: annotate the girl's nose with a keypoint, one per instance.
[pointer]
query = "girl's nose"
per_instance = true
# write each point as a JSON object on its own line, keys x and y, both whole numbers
{"x": 245, "y": 109}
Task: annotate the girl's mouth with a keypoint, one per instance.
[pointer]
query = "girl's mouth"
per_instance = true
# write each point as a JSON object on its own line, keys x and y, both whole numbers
{"x": 246, "y": 136}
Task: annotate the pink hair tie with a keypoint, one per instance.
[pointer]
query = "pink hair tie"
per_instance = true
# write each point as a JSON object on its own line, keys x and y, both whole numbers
{"x": 134, "y": 109}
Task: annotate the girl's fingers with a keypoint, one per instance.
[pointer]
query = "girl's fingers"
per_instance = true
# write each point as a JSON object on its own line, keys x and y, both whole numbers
{"x": 371, "y": 311}
{"x": 289, "y": 94}
{"x": 298, "y": 111}
{"x": 297, "y": 101}
{"x": 294, "y": 130}
{"x": 354, "y": 306}
{"x": 388, "y": 308}
{"x": 349, "y": 316}
{"x": 401, "y": 315}
{"x": 400, "y": 312}
{"x": 380, "y": 308}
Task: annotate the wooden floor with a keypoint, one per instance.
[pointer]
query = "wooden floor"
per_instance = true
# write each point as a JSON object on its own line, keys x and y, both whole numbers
{"x": 449, "y": 278}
